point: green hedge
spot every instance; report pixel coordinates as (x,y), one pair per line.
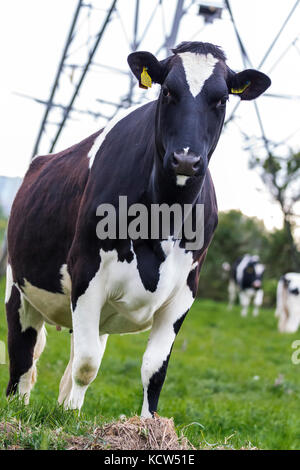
(270,287)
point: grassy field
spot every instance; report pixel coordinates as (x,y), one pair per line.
(230,379)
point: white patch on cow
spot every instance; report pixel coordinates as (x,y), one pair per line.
(181,180)
(240,268)
(54,307)
(101,137)
(288,304)
(65,279)
(28,379)
(259,269)
(198,68)
(30,318)
(186,150)
(9,283)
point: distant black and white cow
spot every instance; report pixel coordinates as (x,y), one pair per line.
(62,273)
(288,303)
(246,283)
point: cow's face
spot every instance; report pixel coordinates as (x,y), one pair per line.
(195,85)
(253,274)
(288,293)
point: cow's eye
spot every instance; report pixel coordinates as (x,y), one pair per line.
(166,92)
(222,102)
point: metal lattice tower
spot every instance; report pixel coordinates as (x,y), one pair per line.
(83,58)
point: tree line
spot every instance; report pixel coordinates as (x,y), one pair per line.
(237,235)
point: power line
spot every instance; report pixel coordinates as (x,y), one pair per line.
(56,80)
(245,57)
(64,108)
(246,60)
(278,34)
(283,54)
(84,72)
(244,54)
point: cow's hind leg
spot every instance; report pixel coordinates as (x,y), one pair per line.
(89,347)
(26,341)
(65,385)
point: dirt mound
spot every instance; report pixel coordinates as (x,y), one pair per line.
(133,434)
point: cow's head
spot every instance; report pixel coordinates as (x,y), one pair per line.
(195,85)
(253,273)
(288,295)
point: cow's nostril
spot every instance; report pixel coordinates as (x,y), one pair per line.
(175,161)
(196,164)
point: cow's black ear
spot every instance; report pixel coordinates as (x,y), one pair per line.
(145,63)
(248,84)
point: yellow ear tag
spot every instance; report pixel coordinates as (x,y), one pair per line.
(240,90)
(145,78)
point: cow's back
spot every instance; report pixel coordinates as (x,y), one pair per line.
(44,215)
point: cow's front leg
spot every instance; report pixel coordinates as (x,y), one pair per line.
(245,298)
(258,300)
(88,345)
(165,327)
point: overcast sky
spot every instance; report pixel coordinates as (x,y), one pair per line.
(32,35)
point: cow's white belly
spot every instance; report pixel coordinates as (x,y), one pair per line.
(127,307)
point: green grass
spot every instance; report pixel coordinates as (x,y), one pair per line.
(220,383)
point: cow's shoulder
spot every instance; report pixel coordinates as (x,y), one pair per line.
(44,214)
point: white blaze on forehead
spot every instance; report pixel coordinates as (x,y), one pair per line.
(198,68)
(259,269)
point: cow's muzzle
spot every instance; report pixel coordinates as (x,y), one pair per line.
(256,284)
(186,164)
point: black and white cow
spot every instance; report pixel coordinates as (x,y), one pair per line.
(246,283)
(61,273)
(288,303)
